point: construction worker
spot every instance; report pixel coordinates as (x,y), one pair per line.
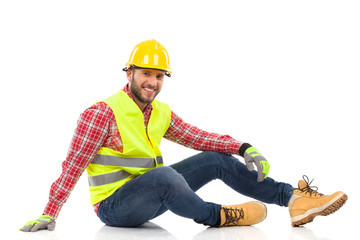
(117,141)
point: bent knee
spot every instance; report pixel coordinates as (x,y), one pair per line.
(211,156)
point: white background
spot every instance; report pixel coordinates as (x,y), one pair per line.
(281,75)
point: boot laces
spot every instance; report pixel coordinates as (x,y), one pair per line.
(233,215)
(310,189)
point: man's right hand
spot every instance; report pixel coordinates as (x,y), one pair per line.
(43,222)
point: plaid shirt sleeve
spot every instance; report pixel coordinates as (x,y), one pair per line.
(90,134)
(190,136)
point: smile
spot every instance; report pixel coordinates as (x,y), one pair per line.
(149,90)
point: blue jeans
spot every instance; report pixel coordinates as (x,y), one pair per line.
(173,188)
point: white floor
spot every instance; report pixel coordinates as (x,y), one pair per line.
(339,225)
(152,231)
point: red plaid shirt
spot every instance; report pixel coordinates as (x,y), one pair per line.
(97,127)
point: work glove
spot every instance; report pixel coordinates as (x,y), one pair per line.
(43,222)
(252,156)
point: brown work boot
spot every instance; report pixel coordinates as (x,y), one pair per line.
(242,215)
(306,203)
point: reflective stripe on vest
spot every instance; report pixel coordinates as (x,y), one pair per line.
(119,162)
(103,179)
(126,162)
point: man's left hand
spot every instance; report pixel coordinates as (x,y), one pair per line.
(252,156)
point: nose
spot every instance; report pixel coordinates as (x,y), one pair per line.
(152,81)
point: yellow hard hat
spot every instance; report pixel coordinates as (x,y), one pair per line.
(149,54)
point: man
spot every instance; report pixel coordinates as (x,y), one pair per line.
(117,142)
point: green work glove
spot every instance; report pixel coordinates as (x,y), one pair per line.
(252,156)
(43,222)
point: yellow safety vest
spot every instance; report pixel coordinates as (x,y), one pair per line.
(110,169)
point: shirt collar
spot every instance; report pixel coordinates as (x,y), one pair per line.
(148,107)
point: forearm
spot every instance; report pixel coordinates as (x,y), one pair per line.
(61,189)
(190,136)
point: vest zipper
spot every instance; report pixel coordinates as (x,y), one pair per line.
(152,146)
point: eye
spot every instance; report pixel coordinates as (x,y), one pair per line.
(160,76)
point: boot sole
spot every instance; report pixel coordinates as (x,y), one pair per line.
(328,210)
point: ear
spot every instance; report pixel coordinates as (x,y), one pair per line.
(129,74)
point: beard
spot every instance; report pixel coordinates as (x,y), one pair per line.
(136,90)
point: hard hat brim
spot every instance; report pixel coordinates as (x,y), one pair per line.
(167,73)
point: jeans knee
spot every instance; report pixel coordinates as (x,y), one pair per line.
(216,157)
